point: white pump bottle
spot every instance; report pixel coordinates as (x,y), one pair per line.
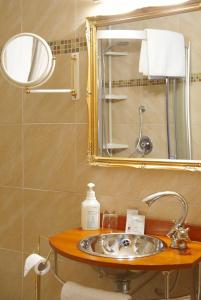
(90,214)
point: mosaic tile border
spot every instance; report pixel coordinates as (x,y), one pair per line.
(136,82)
(196,77)
(68,46)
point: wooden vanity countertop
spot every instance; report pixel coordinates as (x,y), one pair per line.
(66,244)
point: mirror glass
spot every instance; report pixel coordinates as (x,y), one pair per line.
(27,60)
(154,113)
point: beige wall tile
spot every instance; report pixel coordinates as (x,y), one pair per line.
(81,147)
(158,135)
(49,156)
(10,21)
(196,141)
(121,201)
(83,9)
(126,111)
(133,189)
(154,101)
(165,23)
(104,178)
(125,67)
(125,134)
(125,187)
(29,287)
(11,156)
(90,277)
(10,102)
(194,210)
(52,108)
(80,105)
(11,275)
(151,97)
(11,218)
(57,18)
(46,213)
(195,103)
(129,134)
(138,25)
(190,27)
(110,181)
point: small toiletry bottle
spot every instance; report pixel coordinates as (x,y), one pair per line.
(90,214)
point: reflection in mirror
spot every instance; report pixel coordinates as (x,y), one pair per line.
(144,88)
(144,108)
(26,60)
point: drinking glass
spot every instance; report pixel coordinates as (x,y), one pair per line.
(110,221)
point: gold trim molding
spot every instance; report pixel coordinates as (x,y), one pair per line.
(145,13)
(92,23)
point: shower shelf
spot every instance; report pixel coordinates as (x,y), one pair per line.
(113,146)
(111,98)
(113,53)
(115,97)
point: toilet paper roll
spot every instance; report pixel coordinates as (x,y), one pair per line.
(42,268)
(39,263)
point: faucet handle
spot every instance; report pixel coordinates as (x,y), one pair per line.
(182,233)
(179,237)
(178,229)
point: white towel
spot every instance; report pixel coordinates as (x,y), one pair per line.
(162,54)
(75,291)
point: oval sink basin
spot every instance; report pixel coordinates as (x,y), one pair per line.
(121,245)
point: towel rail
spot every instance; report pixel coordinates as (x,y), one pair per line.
(54,271)
(122,34)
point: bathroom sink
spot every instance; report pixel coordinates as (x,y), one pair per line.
(121,245)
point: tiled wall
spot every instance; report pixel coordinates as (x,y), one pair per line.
(43,160)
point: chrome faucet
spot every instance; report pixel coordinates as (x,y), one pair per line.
(178,233)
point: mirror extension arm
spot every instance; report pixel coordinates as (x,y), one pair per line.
(75,81)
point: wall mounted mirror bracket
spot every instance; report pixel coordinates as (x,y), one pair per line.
(74,81)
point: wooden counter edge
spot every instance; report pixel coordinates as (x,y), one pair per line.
(76,254)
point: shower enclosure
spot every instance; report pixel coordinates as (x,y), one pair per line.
(178,114)
(121,124)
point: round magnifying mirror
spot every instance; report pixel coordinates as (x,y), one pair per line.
(26,60)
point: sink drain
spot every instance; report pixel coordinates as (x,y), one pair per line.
(125,243)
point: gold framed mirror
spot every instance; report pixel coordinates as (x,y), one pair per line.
(139,119)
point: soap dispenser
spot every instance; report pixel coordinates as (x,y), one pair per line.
(90,210)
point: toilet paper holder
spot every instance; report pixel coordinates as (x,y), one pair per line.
(54,271)
(43,265)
